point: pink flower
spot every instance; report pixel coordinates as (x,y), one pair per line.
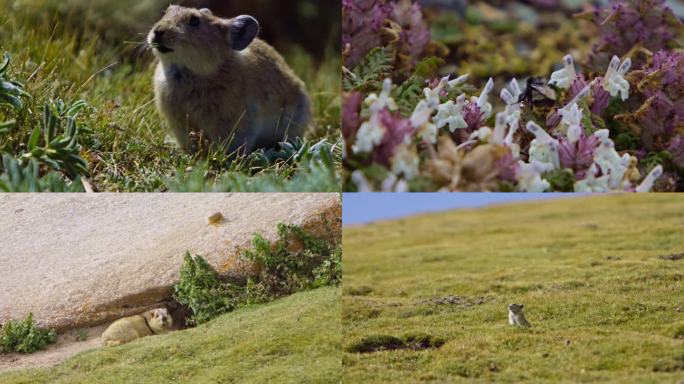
(630,22)
(397,131)
(577,156)
(362,21)
(601,96)
(351,119)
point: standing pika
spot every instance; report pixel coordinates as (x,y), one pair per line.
(216,78)
(516,316)
(127,329)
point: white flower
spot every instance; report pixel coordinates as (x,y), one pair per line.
(611,163)
(450,113)
(511,115)
(420,119)
(362,184)
(614,82)
(543,148)
(394,184)
(376,103)
(563,78)
(511,97)
(529,176)
(369,135)
(572,117)
(484,134)
(500,125)
(390,184)
(592,183)
(457,81)
(481,101)
(405,161)
(650,179)
(432,95)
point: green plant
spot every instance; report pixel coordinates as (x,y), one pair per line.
(11,91)
(296,261)
(27,178)
(370,73)
(203,292)
(23,336)
(59,151)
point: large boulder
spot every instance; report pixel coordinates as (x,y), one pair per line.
(81,260)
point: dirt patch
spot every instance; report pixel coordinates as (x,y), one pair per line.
(379,343)
(362,290)
(67,345)
(674,364)
(461,301)
(672,257)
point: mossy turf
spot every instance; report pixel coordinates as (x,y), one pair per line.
(293,340)
(603,305)
(56,54)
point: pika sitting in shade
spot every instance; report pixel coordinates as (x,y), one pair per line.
(216,80)
(127,329)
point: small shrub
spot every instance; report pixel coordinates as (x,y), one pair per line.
(203,292)
(297,261)
(23,336)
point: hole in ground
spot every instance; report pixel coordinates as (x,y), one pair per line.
(377,343)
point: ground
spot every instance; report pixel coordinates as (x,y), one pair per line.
(293,340)
(601,278)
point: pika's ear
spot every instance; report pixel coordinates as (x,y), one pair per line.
(206,11)
(243,30)
(522,306)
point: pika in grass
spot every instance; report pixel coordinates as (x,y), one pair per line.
(152,322)
(516,315)
(216,80)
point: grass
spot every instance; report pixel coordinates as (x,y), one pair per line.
(293,340)
(122,138)
(603,306)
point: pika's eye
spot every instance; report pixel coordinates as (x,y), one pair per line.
(194,21)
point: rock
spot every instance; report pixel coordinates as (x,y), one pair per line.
(82,260)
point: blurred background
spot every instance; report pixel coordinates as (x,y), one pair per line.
(514,37)
(312,25)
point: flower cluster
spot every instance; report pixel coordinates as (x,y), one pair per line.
(591,157)
(371,23)
(620,128)
(629,26)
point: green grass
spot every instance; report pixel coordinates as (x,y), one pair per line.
(123,139)
(603,306)
(293,340)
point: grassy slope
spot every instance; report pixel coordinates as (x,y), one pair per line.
(122,135)
(595,319)
(292,340)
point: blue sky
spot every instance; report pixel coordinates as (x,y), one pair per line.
(359,208)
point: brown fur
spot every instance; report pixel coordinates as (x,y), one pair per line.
(205,85)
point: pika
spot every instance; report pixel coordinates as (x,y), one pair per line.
(127,329)
(516,316)
(215,78)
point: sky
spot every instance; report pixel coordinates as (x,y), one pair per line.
(360,208)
